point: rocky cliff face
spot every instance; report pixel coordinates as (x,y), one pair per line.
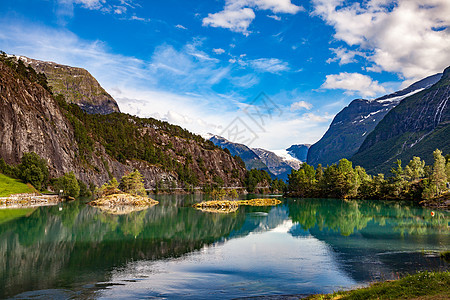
(355,122)
(415,127)
(32,120)
(77,85)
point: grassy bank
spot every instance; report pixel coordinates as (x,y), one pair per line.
(9,186)
(426,285)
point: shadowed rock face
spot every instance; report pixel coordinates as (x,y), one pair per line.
(77,85)
(354,123)
(32,121)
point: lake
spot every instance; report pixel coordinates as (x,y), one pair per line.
(172,250)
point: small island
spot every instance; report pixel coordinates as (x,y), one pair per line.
(123,198)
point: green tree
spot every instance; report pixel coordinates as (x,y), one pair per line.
(68,183)
(133,183)
(302,181)
(233,194)
(415,169)
(398,182)
(346,183)
(34,170)
(439,176)
(109,188)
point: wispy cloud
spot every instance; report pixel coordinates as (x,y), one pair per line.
(219,51)
(174,84)
(301,105)
(65,8)
(180,27)
(270,65)
(354,83)
(344,56)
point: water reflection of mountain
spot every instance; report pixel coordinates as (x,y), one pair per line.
(49,248)
(52,248)
(372,239)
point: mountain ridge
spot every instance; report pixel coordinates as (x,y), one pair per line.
(415,127)
(98,147)
(354,122)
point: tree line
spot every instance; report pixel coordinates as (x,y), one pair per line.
(416,181)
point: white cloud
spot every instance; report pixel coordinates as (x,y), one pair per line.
(181,27)
(235,20)
(174,85)
(354,83)
(344,56)
(317,118)
(90,4)
(237,15)
(136,18)
(271,65)
(275,17)
(219,51)
(409,37)
(301,105)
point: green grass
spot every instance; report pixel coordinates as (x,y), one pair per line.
(425,285)
(7,215)
(9,186)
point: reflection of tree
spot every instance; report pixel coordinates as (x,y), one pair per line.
(347,217)
(57,248)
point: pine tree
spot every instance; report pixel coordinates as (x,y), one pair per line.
(133,183)
(415,169)
(439,176)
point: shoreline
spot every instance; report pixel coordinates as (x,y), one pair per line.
(29,201)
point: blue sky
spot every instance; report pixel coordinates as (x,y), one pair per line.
(202,64)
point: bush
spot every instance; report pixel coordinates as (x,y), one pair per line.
(69,184)
(34,170)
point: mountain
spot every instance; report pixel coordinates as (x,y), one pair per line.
(299,152)
(97,147)
(277,163)
(250,158)
(352,124)
(415,127)
(280,163)
(77,85)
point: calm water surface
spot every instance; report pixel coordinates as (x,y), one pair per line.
(302,246)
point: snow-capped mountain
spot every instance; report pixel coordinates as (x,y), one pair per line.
(352,124)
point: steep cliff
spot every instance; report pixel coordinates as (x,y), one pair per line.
(77,85)
(97,147)
(415,127)
(352,124)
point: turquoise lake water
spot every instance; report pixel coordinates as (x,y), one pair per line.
(172,250)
